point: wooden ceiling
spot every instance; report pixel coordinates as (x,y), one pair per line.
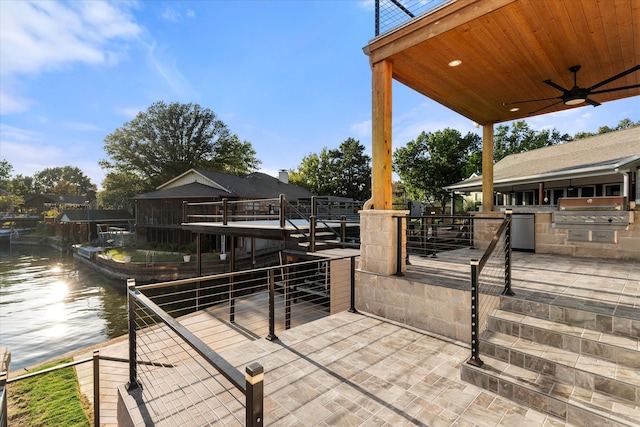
(508,48)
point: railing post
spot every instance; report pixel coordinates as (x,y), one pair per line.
(399,247)
(96,388)
(507,255)
(4,408)
(283,211)
(272,310)
(184,211)
(254,376)
(475,316)
(287,299)
(133,368)
(352,306)
(312,233)
(472,231)
(225,214)
(343,229)
(314,206)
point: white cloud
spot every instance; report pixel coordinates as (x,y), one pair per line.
(171,15)
(165,65)
(44,36)
(130,112)
(361,129)
(82,127)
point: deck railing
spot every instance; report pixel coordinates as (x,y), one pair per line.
(48,400)
(427,236)
(490,278)
(319,214)
(189,373)
(390,14)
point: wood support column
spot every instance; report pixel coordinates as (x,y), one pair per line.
(381,174)
(487,167)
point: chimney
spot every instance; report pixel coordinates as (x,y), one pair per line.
(283,176)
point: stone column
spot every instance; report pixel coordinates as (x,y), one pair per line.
(379,239)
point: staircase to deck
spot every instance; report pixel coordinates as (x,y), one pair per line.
(574,358)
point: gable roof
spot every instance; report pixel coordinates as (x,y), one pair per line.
(195,183)
(599,155)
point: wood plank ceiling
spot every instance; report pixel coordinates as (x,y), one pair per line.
(508,48)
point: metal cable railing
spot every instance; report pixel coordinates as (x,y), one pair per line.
(393,13)
(184,378)
(490,278)
(183,381)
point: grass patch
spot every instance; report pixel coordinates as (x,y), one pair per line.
(51,399)
(139,255)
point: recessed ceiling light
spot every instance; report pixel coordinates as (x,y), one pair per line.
(455,63)
(514,109)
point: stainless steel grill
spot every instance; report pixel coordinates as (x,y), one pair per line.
(592,219)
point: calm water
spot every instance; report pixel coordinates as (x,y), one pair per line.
(50,305)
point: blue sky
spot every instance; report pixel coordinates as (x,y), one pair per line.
(288,76)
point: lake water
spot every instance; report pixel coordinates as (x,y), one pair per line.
(50,305)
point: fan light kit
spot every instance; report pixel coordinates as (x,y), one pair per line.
(578,95)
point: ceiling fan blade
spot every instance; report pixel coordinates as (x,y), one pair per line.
(616,77)
(506,104)
(614,89)
(552,84)
(544,108)
(592,102)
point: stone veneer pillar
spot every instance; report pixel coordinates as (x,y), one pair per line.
(378,241)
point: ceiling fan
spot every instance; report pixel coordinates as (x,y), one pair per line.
(578,95)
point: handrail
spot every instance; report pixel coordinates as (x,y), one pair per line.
(220,364)
(492,245)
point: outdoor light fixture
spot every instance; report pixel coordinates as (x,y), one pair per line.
(455,63)
(575,98)
(514,109)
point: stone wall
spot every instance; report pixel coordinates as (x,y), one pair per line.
(441,310)
(378,241)
(551,240)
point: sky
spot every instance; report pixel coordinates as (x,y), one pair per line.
(288,76)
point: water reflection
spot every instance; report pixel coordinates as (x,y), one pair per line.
(50,305)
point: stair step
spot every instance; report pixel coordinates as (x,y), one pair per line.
(621,349)
(590,373)
(572,404)
(617,319)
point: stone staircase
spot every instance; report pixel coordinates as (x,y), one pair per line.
(572,358)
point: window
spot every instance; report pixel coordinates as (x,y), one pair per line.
(587,191)
(612,190)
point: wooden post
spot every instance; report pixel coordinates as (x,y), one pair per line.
(487,167)
(381,177)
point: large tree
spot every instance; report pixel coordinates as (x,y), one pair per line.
(433,160)
(343,172)
(169,139)
(68,180)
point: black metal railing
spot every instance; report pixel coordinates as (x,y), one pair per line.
(427,236)
(252,304)
(390,14)
(53,400)
(490,278)
(315,219)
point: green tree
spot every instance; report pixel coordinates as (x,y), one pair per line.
(622,124)
(343,172)
(118,189)
(5,174)
(432,161)
(352,170)
(314,174)
(67,180)
(520,138)
(169,139)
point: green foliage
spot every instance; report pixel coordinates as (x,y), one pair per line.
(5,173)
(433,161)
(67,180)
(118,190)
(165,141)
(623,124)
(51,399)
(341,172)
(520,138)
(10,203)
